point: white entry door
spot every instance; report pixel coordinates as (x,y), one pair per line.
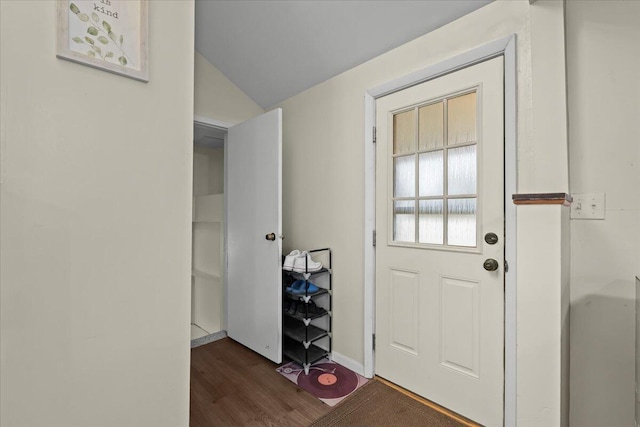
(254,216)
(439,195)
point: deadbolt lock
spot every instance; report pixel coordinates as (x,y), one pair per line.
(491,238)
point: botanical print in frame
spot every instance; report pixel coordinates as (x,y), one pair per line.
(106,34)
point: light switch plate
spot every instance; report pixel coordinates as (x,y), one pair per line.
(588,206)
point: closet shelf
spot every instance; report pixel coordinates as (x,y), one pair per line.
(209,208)
(204,275)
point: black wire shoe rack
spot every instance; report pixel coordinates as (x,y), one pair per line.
(307,316)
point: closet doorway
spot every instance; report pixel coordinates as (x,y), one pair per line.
(207,245)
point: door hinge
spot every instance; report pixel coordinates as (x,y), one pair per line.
(374,341)
(374,237)
(374,135)
(506,266)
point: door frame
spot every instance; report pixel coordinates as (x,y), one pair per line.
(502,47)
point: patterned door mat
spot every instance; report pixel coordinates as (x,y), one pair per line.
(327,380)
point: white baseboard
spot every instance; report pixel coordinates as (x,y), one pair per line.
(347,362)
(208,339)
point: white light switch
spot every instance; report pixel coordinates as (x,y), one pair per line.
(587,206)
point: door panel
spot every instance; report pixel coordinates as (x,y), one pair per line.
(459,325)
(254,209)
(404,310)
(440,188)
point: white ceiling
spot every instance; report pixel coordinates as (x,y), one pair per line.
(273,50)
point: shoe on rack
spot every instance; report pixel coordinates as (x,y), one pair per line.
(312,308)
(290,259)
(301,310)
(287,280)
(296,287)
(304,264)
(293,307)
(305,288)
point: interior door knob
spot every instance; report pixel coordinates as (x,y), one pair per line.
(270,236)
(490,264)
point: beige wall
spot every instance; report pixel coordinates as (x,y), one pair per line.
(323,172)
(543,232)
(603,60)
(95,221)
(543,310)
(216,97)
(323,176)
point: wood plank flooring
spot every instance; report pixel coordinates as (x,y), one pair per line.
(233,386)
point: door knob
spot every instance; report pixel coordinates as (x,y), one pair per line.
(270,236)
(490,264)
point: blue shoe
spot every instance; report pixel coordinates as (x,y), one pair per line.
(305,287)
(296,287)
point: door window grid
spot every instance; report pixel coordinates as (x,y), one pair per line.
(439,211)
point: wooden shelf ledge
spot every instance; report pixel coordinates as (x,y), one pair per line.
(542,199)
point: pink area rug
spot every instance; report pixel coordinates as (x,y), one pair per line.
(327,380)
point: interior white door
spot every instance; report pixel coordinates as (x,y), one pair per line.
(254,210)
(440,190)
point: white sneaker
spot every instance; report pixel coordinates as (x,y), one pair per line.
(289,260)
(304,264)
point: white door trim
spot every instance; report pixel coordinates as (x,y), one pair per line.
(506,47)
(212,122)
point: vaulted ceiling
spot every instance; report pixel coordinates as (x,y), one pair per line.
(273,50)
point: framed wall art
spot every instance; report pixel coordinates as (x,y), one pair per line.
(110,35)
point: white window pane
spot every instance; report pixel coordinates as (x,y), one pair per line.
(404,179)
(431,222)
(431,126)
(404,132)
(431,173)
(462,119)
(462,170)
(404,221)
(461,223)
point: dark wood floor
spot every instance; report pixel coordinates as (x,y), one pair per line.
(233,386)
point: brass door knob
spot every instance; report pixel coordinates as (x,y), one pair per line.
(270,236)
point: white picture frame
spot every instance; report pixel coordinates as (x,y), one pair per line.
(110,35)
